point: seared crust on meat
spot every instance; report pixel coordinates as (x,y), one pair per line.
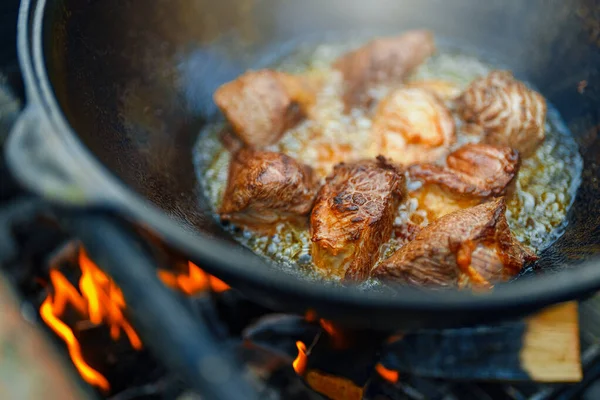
(265,188)
(471,247)
(384,60)
(262,105)
(475,170)
(353,216)
(413,126)
(505,111)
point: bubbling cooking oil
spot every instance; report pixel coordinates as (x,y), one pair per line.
(545,187)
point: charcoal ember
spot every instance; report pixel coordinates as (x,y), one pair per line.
(340,363)
(409,388)
(262,362)
(355,363)
(166,388)
(237,312)
(123,366)
(486,352)
(284,384)
(28,233)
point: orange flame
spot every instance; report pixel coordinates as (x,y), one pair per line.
(99,300)
(301,360)
(395,338)
(328,327)
(338,339)
(105,301)
(311,315)
(387,374)
(90,375)
(194,282)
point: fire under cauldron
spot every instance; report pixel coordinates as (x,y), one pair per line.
(118,90)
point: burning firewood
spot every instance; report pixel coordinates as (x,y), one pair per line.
(99,301)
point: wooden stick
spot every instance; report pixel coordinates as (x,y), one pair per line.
(550,350)
(334,387)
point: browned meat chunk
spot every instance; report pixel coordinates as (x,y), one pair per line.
(412,126)
(262,105)
(353,217)
(478,170)
(473,173)
(505,111)
(266,188)
(385,60)
(472,247)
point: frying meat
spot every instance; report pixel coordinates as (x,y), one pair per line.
(472,247)
(478,170)
(262,105)
(412,126)
(505,111)
(353,216)
(472,173)
(385,60)
(265,188)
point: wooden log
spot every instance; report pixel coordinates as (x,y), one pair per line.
(334,387)
(550,351)
(542,348)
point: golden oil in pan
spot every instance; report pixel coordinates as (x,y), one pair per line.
(545,188)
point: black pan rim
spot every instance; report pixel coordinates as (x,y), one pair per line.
(224,260)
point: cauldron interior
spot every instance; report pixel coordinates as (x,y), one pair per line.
(135,77)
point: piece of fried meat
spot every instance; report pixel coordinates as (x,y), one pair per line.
(412,125)
(468,248)
(504,111)
(353,216)
(382,61)
(262,105)
(265,188)
(473,174)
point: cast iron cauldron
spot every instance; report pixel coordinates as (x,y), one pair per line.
(119,89)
